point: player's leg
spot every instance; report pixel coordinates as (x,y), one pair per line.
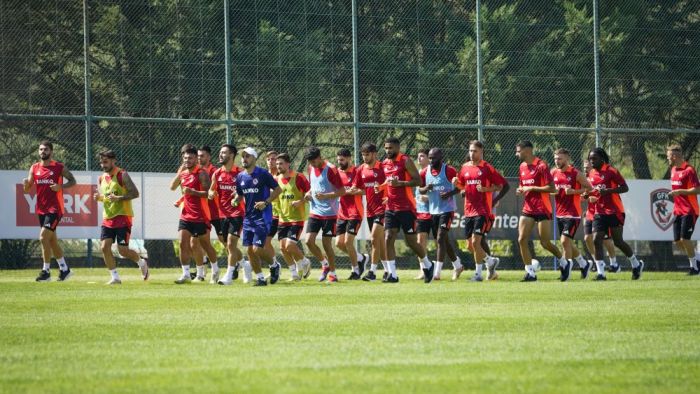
(106,243)
(185,238)
(544,227)
(378,250)
(566,260)
(637,265)
(210,253)
(682,232)
(327,242)
(525,227)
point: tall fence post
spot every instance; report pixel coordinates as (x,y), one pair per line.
(355,87)
(88,107)
(227,68)
(479,99)
(596,70)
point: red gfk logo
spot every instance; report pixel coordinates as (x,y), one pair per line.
(79,206)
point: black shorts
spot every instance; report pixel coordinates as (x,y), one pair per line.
(218,226)
(479,225)
(588,228)
(194,228)
(325,226)
(372,220)
(568,226)
(424,225)
(441,221)
(290,231)
(273,227)
(232,226)
(538,217)
(351,226)
(120,234)
(683,227)
(404,220)
(49,220)
(605,223)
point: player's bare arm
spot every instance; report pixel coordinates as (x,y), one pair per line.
(27,182)
(70,181)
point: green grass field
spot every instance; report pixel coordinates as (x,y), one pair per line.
(503,336)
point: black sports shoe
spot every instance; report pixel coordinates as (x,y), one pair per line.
(585,270)
(235,271)
(392,279)
(369,277)
(44,276)
(692,272)
(428,273)
(64,275)
(566,271)
(615,269)
(386,275)
(260,282)
(528,278)
(361,265)
(637,272)
(600,277)
(274,273)
(193,275)
(354,276)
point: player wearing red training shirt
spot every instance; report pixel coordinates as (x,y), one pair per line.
(370,182)
(479,180)
(609,216)
(401,176)
(350,214)
(684,190)
(47,176)
(535,186)
(570,184)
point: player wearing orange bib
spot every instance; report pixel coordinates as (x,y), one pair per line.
(47,176)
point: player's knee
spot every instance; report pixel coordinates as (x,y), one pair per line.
(105,247)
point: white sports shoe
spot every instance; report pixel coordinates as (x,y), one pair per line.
(535,264)
(144,271)
(294,278)
(183,279)
(457,272)
(247,272)
(305,268)
(114,281)
(491,266)
(225,282)
(198,279)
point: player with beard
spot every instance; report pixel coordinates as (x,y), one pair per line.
(204,161)
(115,190)
(47,176)
(350,215)
(401,176)
(685,189)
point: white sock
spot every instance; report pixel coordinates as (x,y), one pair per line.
(114,273)
(62,264)
(356,269)
(186,270)
(457,264)
(360,257)
(229,273)
(293,270)
(581,261)
(479,269)
(200,271)
(530,270)
(438,268)
(562,261)
(426,262)
(247,269)
(324,263)
(391,265)
(693,263)
(385,265)
(373,267)
(613,261)
(214,267)
(261,276)
(600,267)
(141,263)
(47,267)
(634,261)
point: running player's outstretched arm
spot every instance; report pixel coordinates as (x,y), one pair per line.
(413,172)
(132,191)
(27,182)
(70,179)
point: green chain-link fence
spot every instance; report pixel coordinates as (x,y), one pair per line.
(285,75)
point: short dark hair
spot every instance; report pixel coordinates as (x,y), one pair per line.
(271,152)
(345,152)
(524,144)
(47,144)
(188,148)
(675,148)
(424,151)
(285,157)
(562,151)
(312,153)
(108,153)
(392,140)
(368,147)
(231,148)
(206,148)
(602,153)
(477,143)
